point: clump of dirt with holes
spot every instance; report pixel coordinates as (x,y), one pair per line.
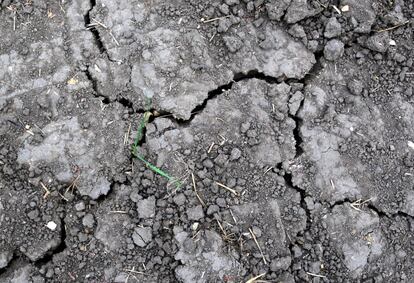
(206,141)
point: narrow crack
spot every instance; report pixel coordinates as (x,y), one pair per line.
(125,102)
(94,83)
(297,135)
(253,74)
(112,185)
(93,30)
(316,68)
(60,248)
(303,195)
(18,256)
(379,212)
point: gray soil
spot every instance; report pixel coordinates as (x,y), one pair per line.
(289,123)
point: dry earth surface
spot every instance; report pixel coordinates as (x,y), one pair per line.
(288,123)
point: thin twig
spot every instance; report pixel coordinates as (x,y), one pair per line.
(195,190)
(134,271)
(252,280)
(227,188)
(127,134)
(73,185)
(46,189)
(315,275)
(221,227)
(214,19)
(393,27)
(211,147)
(358,203)
(257,244)
(267,170)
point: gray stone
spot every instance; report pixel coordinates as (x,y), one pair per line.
(378,42)
(195,213)
(332,28)
(142,236)
(224,25)
(362,12)
(395,17)
(281,89)
(179,199)
(212,209)
(333,50)
(108,230)
(224,9)
(280,264)
(276,9)
(297,31)
(294,102)
(355,87)
(221,202)
(299,10)
(80,206)
(162,124)
(146,207)
(21,275)
(33,214)
(5,258)
(232,2)
(235,154)
(233,43)
(88,220)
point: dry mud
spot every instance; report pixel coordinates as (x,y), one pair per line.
(289,123)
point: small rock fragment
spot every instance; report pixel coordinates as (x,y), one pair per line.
(232,2)
(212,209)
(355,87)
(332,28)
(280,264)
(333,50)
(361,14)
(146,207)
(195,226)
(233,43)
(235,154)
(224,9)
(80,206)
(378,42)
(395,17)
(195,213)
(179,199)
(299,10)
(276,9)
(51,225)
(294,102)
(5,258)
(410,144)
(142,236)
(88,220)
(224,25)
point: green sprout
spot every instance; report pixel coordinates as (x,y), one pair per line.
(135,146)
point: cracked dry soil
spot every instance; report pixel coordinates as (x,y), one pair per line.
(289,124)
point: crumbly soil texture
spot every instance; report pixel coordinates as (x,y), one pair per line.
(279,143)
